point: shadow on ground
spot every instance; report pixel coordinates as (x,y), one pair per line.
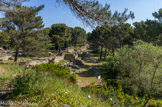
(93,71)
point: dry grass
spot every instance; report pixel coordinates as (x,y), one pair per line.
(2,71)
(85,81)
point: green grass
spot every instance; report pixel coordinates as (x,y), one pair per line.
(8,71)
(49,88)
(44,89)
(63,61)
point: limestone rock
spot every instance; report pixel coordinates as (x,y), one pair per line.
(58,58)
(70,50)
(70,57)
(22,63)
(11,58)
(51,60)
(3,58)
(60,54)
(32,63)
(50,53)
(76,70)
(65,64)
(74,66)
(78,62)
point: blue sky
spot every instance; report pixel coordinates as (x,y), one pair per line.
(54,13)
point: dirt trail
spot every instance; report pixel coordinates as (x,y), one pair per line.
(90,71)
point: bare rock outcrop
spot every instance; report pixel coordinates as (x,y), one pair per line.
(57,59)
(4,58)
(70,50)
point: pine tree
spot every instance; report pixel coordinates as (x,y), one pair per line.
(91,12)
(25,29)
(60,34)
(79,36)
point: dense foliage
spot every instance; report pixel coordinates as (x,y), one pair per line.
(111,38)
(60,34)
(57,70)
(136,69)
(78,36)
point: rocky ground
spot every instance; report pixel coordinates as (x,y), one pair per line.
(82,63)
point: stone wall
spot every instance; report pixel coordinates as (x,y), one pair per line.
(29,63)
(70,57)
(83,48)
(57,59)
(3,58)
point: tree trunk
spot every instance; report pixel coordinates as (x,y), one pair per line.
(66,44)
(105,53)
(146,101)
(4,47)
(101,52)
(16,54)
(108,52)
(97,49)
(69,42)
(59,48)
(56,46)
(153,77)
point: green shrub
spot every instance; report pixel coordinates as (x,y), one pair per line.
(136,69)
(25,84)
(44,89)
(112,71)
(57,70)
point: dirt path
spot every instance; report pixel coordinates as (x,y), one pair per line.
(90,71)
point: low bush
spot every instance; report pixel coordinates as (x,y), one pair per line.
(111,72)
(57,70)
(26,84)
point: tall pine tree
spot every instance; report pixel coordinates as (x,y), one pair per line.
(25,29)
(60,34)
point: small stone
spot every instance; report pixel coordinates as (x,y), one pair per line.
(14,75)
(99,77)
(10,58)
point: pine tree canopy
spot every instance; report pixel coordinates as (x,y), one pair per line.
(25,29)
